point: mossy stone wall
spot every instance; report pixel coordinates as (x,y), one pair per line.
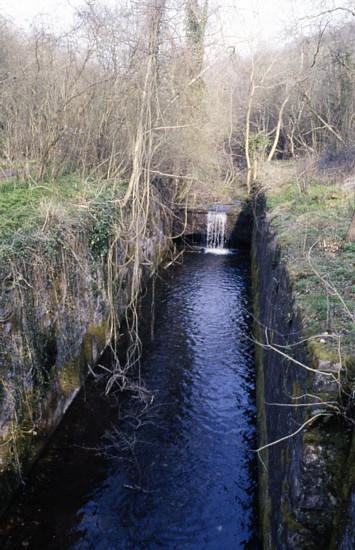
(55,309)
(302,479)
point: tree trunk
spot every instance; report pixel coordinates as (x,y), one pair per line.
(278,129)
(248,159)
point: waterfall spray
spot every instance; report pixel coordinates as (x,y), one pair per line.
(216,229)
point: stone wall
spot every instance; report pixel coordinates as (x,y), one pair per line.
(305,480)
(54,323)
(191,223)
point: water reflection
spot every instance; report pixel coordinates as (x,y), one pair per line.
(189,484)
(183,474)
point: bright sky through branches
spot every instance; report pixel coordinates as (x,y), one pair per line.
(268,20)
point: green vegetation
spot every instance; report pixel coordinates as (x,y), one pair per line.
(29,208)
(310,216)
(311,225)
(22,204)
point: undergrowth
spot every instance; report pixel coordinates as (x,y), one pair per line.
(30,211)
(311,224)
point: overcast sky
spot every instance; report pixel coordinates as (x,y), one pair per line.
(263,18)
(23,11)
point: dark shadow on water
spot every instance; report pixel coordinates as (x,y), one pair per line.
(181,473)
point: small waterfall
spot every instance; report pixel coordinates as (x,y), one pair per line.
(216,229)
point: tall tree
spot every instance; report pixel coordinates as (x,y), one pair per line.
(196,21)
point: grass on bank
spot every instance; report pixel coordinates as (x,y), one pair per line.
(311,221)
(26,208)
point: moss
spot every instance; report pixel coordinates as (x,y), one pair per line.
(57,283)
(298,220)
(312,436)
(69,377)
(320,352)
(296,389)
(19,445)
(34,414)
(338,442)
(98,334)
(264,498)
(288,517)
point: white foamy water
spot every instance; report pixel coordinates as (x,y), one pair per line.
(216,232)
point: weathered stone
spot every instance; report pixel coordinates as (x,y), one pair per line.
(58,328)
(193,224)
(312,455)
(329,366)
(323,383)
(313,501)
(301,488)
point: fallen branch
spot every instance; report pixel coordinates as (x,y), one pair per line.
(284,438)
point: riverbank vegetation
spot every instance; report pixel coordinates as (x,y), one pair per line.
(312,224)
(136,101)
(143,107)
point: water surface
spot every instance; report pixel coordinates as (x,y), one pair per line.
(183,476)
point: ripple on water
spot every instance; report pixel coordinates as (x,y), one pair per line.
(188,482)
(198,466)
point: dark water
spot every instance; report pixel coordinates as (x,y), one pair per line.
(186,474)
